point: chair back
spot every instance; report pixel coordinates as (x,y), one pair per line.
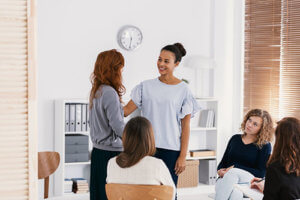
(47,164)
(116,191)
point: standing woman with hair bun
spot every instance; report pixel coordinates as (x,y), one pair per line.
(106,117)
(168,104)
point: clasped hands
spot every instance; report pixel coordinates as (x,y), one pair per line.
(223,171)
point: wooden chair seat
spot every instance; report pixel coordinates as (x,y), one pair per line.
(116,191)
(47,164)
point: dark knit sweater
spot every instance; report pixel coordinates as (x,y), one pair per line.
(248,157)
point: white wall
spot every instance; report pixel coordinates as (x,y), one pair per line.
(72,32)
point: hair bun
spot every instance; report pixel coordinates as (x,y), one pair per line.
(181,48)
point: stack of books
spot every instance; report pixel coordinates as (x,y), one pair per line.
(68,184)
(80,185)
(202,153)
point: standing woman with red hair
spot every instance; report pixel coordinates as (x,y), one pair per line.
(106,117)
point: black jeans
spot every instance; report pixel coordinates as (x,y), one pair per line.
(99,163)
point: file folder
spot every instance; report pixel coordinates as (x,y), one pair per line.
(87,118)
(207,172)
(67,117)
(83,119)
(78,117)
(203,118)
(72,117)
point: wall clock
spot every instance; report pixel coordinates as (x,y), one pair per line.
(130,37)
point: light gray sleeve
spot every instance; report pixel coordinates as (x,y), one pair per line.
(113,111)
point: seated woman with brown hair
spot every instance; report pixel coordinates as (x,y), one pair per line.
(135,165)
(283,169)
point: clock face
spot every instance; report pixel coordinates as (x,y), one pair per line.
(130,37)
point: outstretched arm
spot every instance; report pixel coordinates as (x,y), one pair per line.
(129,108)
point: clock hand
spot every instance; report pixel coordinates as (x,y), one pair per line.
(130,42)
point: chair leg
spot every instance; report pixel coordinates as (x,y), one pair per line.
(46,187)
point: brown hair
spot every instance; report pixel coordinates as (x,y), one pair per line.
(287,145)
(107,71)
(266,131)
(138,141)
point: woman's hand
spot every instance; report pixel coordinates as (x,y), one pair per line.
(223,171)
(180,165)
(256,183)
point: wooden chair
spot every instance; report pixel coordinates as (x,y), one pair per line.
(48,163)
(137,192)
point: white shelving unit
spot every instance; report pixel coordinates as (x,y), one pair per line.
(203,138)
(68,170)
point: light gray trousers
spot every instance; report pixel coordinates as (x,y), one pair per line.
(225,186)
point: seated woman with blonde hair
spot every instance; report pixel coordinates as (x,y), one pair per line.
(283,169)
(246,155)
(136,164)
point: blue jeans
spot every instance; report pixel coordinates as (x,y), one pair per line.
(225,186)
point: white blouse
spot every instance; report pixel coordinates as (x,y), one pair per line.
(148,171)
(164,106)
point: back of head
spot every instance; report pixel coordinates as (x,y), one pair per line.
(138,142)
(178,50)
(107,71)
(267,131)
(287,145)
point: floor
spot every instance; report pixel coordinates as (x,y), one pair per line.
(201,192)
(195,197)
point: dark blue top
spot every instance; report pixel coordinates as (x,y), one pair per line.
(248,157)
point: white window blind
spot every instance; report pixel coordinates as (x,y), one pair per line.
(271,75)
(18,152)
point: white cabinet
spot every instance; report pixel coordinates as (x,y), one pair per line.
(71,169)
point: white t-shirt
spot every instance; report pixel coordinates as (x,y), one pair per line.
(148,171)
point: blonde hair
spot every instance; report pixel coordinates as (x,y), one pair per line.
(266,131)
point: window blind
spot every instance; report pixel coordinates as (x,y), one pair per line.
(271,75)
(290,59)
(18,155)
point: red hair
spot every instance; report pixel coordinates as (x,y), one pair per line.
(107,71)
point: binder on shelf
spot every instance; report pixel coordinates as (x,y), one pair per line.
(213,172)
(87,118)
(202,153)
(203,118)
(78,117)
(72,117)
(67,117)
(83,119)
(207,118)
(208,172)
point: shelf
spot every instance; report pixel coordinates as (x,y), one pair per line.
(78,163)
(203,129)
(82,133)
(200,158)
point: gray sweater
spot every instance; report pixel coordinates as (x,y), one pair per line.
(106,120)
